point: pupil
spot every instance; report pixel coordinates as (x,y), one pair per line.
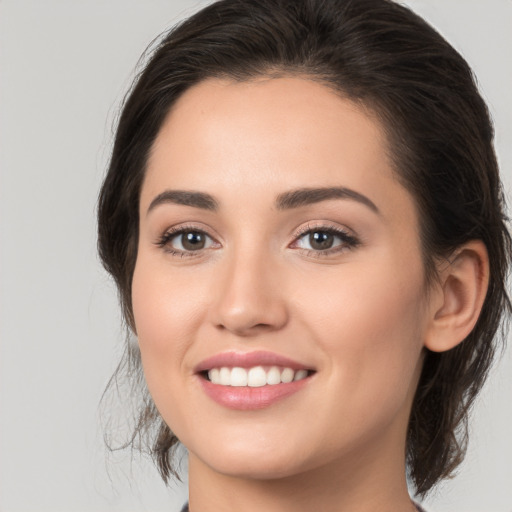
(193,241)
(321,240)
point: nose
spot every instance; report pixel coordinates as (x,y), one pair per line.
(249,298)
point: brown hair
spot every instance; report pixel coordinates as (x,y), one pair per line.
(384,56)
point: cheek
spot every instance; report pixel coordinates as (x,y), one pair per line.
(164,316)
(165,310)
(164,306)
(369,321)
(365,305)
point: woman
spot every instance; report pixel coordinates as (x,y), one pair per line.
(304,218)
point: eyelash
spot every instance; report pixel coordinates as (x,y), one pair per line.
(348,241)
(164,241)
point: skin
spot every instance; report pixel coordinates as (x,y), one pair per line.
(358,314)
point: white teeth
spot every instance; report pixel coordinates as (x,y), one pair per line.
(300,374)
(239,377)
(214,376)
(225,376)
(274,376)
(287,375)
(254,377)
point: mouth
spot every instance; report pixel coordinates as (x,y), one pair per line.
(254,377)
(255,380)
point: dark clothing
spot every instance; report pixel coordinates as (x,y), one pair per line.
(185,508)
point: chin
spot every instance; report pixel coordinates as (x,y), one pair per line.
(270,467)
(259,459)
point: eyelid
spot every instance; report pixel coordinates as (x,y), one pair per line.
(349,239)
(326,226)
(163,240)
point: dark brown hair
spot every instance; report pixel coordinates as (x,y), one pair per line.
(383,56)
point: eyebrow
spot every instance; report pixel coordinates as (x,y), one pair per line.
(285,201)
(186,198)
(305,196)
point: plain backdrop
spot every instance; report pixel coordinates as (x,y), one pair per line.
(64,67)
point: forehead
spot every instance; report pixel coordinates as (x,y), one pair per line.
(280,113)
(269,135)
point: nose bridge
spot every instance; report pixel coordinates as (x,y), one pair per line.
(249,296)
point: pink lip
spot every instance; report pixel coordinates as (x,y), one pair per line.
(247,398)
(248,360)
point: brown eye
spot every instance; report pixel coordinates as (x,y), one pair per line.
(192,241)
(321,240)
(186,241)
(325,241)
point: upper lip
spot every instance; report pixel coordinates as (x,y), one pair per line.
(248,360)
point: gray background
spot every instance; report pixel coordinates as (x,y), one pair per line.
(64,67)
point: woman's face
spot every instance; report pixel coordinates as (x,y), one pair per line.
(275,239)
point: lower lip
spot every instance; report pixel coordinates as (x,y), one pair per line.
(247,398)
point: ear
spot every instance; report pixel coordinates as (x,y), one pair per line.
(457,302)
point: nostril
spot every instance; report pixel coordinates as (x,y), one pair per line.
(245,329)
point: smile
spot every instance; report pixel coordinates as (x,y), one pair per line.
(254,377)
(248,381)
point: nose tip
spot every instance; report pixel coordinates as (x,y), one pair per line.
(244,322)
(250,301)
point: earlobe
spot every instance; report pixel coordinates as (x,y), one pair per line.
(459,298)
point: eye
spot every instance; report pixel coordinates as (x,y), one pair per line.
(319,240)
(325,240)
(184,241)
